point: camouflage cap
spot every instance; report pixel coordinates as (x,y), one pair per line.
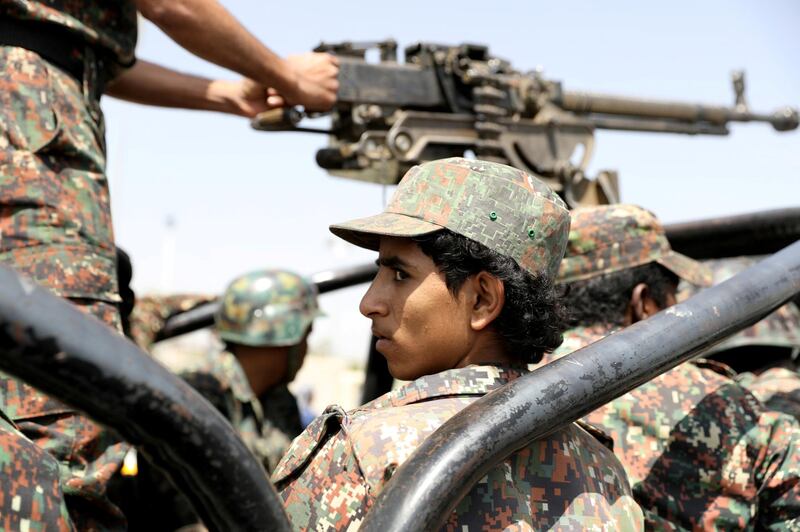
(779,329)
(612,238)
(503,208)
(267,308)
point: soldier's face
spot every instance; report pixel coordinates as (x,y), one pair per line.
(421,327)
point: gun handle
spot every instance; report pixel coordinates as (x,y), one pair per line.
(277,119)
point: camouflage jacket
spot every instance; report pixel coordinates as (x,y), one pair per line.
(151,312)
(332,473)
(221,380)
(109,25)
(777,388)
(31,496)
(700,451)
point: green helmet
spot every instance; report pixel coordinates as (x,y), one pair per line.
(267,308)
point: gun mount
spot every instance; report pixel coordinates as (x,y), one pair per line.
(445,101)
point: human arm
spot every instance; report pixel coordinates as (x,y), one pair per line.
(208,30)
(151,84)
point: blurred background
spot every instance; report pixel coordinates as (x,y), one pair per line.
(199,198)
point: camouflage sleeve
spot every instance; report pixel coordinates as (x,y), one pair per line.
(779,474)
(151,312)
(329,492)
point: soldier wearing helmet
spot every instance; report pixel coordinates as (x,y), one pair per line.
(264,319)
(700,451)
(462,301)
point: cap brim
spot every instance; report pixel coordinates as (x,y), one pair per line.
(688,269)
(367,232)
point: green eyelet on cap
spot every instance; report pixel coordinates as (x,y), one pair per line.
(493,216)
(531,233)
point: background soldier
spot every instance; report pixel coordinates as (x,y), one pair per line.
(463,299)
(765,354)
(700,451)
(57,60)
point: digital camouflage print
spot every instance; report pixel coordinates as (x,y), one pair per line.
(267,308)
(221,380)
(30,488)
(700,451)
(503,208)
(150,313)
(779,329)
(612,238)
(55,224)
(109,25)
(334,470)
(778,388)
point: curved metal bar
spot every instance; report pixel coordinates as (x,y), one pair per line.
(47,342)
(424,490)
(326,281)
(757,233)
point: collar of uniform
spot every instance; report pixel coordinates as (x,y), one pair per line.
(471,380)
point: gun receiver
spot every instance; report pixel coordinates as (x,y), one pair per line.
(446,101)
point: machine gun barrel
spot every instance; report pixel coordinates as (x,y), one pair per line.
(715,116)
(52,345)
(426,488)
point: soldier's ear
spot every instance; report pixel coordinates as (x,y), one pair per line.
(487,297)
(642,304)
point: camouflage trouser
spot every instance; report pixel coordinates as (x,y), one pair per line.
(55,227)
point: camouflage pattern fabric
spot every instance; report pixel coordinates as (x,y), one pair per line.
(334,470)
(267,308)
(109,25)
(151,312)
(778,388)
(221,380)
(56,228)
(612,238)
(30,489)
(700,451)
(779,329)
(281,409)
(503,208)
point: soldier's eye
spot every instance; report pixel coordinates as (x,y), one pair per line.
(400,275)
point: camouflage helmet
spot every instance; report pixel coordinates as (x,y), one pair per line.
(503,208)
(610,238)
(779,329)
(267,308)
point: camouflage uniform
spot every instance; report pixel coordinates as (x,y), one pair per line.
(30,489)
(55,215)
(335,469)
(332,473)
(777,387)
(700,451)
(150,313)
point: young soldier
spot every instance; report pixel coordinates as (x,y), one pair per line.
(764,354)
(463,300)
(700,451)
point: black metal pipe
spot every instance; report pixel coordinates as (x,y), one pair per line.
(757,233)
(424,490)
(50,344)
(203,315)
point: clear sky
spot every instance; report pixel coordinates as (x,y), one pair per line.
(243,200)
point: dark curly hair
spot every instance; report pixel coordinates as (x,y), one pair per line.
(604,299)
(533,317)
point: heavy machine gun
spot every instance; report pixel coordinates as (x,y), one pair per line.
(448,100)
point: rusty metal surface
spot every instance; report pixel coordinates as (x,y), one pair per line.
(50,344)
(755,233)
(425,489)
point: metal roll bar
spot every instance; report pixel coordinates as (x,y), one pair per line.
(47,342)
(428,486)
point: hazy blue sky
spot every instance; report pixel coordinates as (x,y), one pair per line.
(243,200)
